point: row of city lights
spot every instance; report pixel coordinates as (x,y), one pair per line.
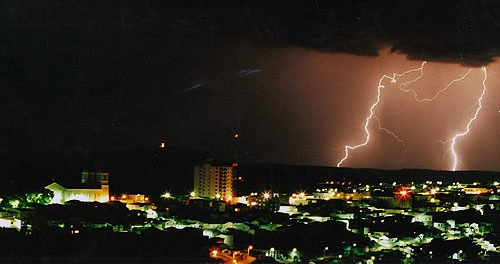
(125,196)
(402,192)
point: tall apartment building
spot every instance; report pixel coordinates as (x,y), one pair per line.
(213,181)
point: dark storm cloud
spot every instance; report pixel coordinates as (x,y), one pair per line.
(465,32)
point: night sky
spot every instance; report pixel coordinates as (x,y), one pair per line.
(83,81)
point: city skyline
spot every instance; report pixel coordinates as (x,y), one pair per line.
(84,83)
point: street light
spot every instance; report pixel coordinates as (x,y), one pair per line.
(192,194)
(248,250)
(166,195)
(271,252)
(295,255)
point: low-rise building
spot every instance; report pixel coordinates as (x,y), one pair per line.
(94,187)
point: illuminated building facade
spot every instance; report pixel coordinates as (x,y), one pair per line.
(10,219)
(476,190)
(132,198)
(94,188)
(213,181)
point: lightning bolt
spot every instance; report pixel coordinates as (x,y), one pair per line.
(393,79)
(389,132)
(437,94)
(467,128)
(403,87)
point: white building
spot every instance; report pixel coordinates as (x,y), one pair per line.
(421,218)
(94,188)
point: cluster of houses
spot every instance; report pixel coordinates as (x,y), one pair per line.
(391,217)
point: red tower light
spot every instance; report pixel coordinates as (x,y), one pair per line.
(236,135)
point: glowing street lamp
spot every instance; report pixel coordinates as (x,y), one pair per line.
(248,250)
(192,194)
(294,253)
(217,196)
(271,252)
(166,195)
(266,195)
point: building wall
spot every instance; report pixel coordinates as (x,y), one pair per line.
(212,180)
(476,190)
(87,195)
(58,191)
(422,218)
(133,198)
(62,195)
(83,195)
(10,223)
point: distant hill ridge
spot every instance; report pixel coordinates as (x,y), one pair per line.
(286,178)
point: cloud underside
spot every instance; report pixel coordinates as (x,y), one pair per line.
(463,32)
